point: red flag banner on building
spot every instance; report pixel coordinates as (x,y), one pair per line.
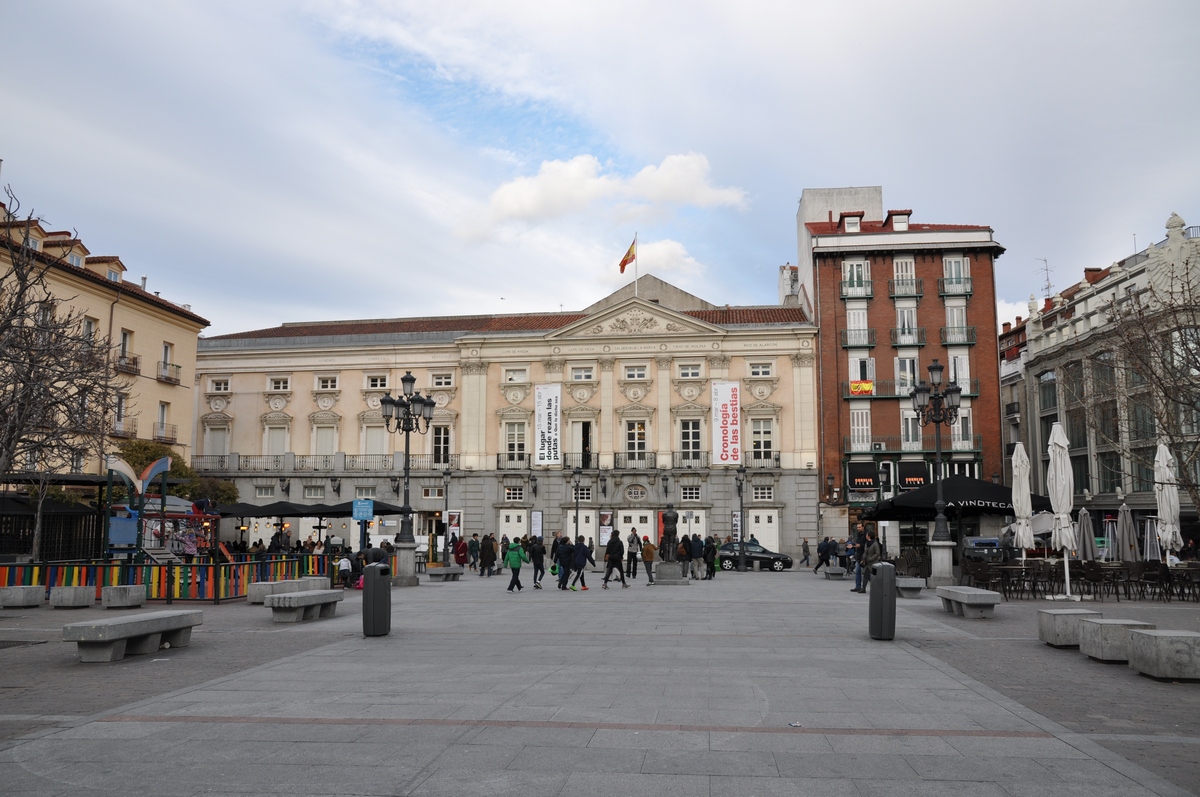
(630,256)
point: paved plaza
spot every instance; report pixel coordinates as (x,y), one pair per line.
(754,684)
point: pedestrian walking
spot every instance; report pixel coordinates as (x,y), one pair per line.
(710,558)
(344,570)
(537,555)
(823,554)
(487,556)
(649,549)
(502,553)
(513,559)
(583,557)
(614,559)
(633,553)
(473,552)
(565,561)
(804,553)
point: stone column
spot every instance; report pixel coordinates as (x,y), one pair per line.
(941,572)
(406,565)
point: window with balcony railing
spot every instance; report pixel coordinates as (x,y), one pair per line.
(128,364)
(124,427)
(169,372)
(908,336)
(901,288)
(958,336)
(954,286)
(166,432)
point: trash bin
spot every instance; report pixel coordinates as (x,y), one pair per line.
(882,604)
(377,599)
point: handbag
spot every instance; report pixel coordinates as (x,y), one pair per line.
(682,551)
(554,570)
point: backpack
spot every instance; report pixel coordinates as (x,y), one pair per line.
(682,550)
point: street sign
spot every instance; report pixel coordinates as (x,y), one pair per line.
(363,509)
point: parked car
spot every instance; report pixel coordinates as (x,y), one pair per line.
(730,552)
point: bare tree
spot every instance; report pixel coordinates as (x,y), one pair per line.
(57,390)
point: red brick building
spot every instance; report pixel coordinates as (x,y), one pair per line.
(891,297)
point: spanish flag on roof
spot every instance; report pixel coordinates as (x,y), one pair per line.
(630,256)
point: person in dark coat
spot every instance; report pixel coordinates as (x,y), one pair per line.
(683,553)
(697,555)
(710,558)
(583,557)
(537,555)
(565,561)
(614,555)
(822,554)
(487,556)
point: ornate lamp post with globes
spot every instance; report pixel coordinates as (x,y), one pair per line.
(936,406)
(405,413)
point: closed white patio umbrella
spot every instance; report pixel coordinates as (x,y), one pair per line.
(1087,537)
(1022,503)
(1061,486)
(1166,493)
(1127,537)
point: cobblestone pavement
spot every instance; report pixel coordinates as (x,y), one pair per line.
(644,691)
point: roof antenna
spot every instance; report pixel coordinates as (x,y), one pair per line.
(1048,287)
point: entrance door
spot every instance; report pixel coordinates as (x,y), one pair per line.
(514,523)
(763,525)
(696,524)
(581,441)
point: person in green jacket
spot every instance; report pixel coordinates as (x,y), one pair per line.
(513,559)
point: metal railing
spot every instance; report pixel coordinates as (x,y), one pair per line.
(210,462)
(513,461)
(887,444)
(954,286)
(166,432)
(634,460)
(857,289)
(129,364)
(584,460)
(908,336)
(368,462)
(315,462)
(261,462)
(857,338)
(124,427)
(168,372)
(903,288)
(958,336)
(760,459)
(892,389)
(1012,408)
(689,459)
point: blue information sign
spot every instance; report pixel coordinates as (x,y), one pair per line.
(364,509)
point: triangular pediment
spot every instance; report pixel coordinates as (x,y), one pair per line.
(635,318)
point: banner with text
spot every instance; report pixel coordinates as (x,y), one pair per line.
(726,423)
(548,400)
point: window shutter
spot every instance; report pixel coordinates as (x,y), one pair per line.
(871,368)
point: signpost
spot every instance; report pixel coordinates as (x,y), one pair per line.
(363,510)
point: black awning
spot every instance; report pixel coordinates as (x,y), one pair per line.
(863,476)
(912,475)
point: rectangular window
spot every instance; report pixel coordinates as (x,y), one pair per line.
(857,333)
(910,431)
(441,445)
(514,493)
(635,372)
(438,492)
(327,383)
(856,278)
(114,276)
(325,440)
(960,370)
(690,493)
(1079,472)
(364,492)
(216,441)
(276,440)
(581,494)
(852,224)
(960,432)
(904,272)
(1047,391)
(860,430)
(906,375)
(126,342)
(581,374)
(443,380)
(377,382)
(761,369)
(514,440)
(956,317)
(1143,470)
(635,439)
(1107,425)
(516,375)
(375,440)
(1077,428)
(764,493)
(761,443)
(264,491)
(1104,374)
(689,371)
(689,439)
(164,412)
(1072,382)
(314,491)
(219,386)
(280,383)
(1108,470)
(1141,418)
(862,369)
(955,268)
(89,328)
(167,351)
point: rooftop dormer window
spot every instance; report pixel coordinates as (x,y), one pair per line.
(852,224)
(114,276)
(900,223)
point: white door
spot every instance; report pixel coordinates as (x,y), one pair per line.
(217,442)
(763,525)
(514,523)
(696,524)
(277,440)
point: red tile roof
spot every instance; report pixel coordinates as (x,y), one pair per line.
(833,228)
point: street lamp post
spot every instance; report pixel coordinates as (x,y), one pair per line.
(741,490)
(446,517)
(576,475)
(935,406)
(405,414)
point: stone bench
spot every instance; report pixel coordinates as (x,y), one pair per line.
(111,639)
(1059,628)
(834,573)
(292,607)
(259,590)
(315,582)
(1108,640)
(970,602)
(1165,655)
(127,596)
(22,597)
(444,573)
(72,597)
(908,587)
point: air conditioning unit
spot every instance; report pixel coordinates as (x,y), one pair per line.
(878,447)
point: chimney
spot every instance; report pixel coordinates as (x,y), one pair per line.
(1006,327)
(1020,321)
(143,282)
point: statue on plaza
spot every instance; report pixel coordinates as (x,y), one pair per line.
(670,521)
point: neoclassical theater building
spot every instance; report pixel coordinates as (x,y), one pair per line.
(651,397)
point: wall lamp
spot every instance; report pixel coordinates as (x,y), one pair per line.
(285,486)
(336,484)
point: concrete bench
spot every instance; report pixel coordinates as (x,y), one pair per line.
(127,596)
(1165,655)
(1108,640)
(292,607)
(834,573)
(908,587)
(970,602)
(22,597)
(444,573)
(72,597)
(112,638)
(315,582)
(259,590)
(1059,628)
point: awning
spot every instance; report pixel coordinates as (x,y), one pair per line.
(863,476)
(911,475)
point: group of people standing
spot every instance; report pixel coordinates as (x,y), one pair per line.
(862,552)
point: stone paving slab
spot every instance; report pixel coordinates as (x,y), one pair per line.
(630,691)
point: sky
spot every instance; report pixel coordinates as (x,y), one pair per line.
(321,159)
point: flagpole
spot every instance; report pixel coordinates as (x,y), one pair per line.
(635,265)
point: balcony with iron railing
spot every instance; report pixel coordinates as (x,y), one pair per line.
(170,373)
(760,459)
(893,389)
(317,463)
(166,432)
(261,462)
(368,462)
(908,336)
(124,427)
(128,364)
(634,460)
(584,460)
(954,286)
(958,336)
(207,462)
(858,338)
(900,289)
(1012,408)
(513,461)
(689,459)
(857,289)
(889,444)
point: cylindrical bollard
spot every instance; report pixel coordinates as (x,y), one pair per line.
(377,599)
(882,608)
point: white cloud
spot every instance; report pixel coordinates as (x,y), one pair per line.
(1008,311)
(564,187)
